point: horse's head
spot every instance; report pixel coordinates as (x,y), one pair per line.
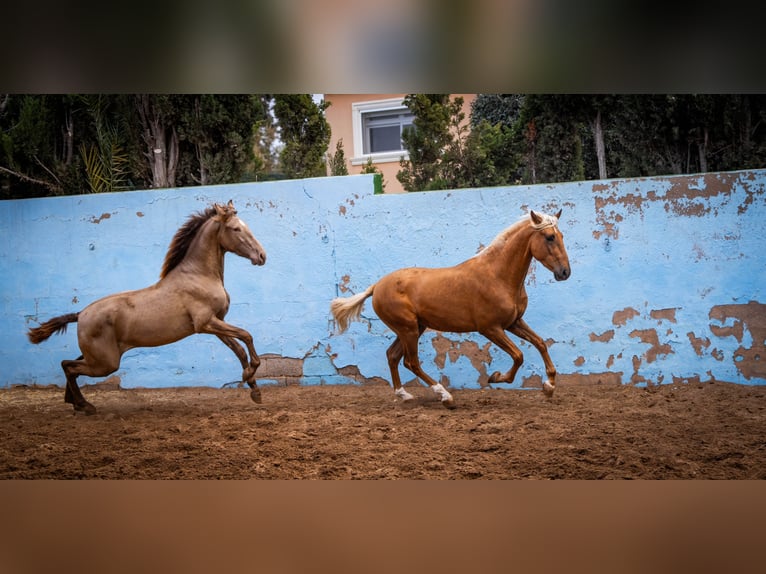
(547,244)
(234,235)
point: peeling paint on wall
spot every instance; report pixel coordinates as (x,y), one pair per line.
(624,315)
(98,220)
(667,279)
(604,337)
(478,356)
(748,318)
(649,336)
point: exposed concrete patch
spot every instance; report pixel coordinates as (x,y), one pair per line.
(576,379)
(666,314)
(321,366)
(751,316)
(287,370)
(604,337)
(698,342)
(98,220)
(622,317)
(353,372)
(682,199)
(343,285)
(649,336)
(478,356)
(696,379)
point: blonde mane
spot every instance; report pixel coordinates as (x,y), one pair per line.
(502,237)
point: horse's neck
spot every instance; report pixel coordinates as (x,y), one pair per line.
(510,262)
(205,256)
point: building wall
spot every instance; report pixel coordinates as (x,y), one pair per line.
(667,279)
(339,117)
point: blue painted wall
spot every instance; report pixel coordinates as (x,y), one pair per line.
(667,278)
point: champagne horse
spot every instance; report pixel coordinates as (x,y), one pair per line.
(189,298)
(483,294)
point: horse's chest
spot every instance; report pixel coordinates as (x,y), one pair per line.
(213,296)
(510,308)
(221,300)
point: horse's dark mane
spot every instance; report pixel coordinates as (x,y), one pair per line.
(183,238)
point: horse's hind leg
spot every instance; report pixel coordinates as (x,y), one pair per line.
(248,372)
(412,362)
(69,395)
(394,355)
(81,366)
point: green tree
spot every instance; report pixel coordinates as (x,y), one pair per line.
(548,133)
(426,141)
(305,134)
(265,139)
(502,109)
(337,161)
(495,122)
(216,137)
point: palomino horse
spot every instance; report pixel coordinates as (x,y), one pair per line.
(189,298)
(485,294)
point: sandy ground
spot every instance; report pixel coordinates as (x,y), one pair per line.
(677,431)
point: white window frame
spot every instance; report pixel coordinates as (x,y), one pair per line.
(358,109)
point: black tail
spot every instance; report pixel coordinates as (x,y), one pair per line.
(55,325)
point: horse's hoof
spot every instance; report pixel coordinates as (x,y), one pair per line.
(449,403)
(493,377)
(85,408)
(255,394)
(548,389)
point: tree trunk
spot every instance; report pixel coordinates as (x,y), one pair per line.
(598,136)
(68,138)
(703,151)
(161,141)
(203,171)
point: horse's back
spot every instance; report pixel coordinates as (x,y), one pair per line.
(140,318)
(457,299)
(428,297)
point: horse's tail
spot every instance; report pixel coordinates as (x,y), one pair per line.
(55,325)
(347,309)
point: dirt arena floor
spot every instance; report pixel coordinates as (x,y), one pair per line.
(678,431)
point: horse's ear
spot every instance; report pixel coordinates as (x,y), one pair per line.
(220,210)
(230,205)
(536,219)
(558,215)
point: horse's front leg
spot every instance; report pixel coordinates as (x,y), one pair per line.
(521,329)
(499,338)
(248,371)
(228,334)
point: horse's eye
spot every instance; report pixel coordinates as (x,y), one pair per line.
(550,237)
(237,229)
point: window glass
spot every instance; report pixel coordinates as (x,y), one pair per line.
(382,131)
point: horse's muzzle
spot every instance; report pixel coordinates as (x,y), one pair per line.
(562,273)
(258,259)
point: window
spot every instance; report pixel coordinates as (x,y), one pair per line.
(382,132)
(378,128)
